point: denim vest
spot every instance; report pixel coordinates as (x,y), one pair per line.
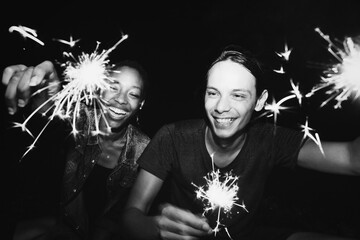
(79,165)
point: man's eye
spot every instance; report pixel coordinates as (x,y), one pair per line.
(239,96)
(211,93)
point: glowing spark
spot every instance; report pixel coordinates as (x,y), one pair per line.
(296,91)
(220,192)
(85,78)
(342,79)
(71,42)
(307,133)
(26,33)
(285,54)
(280,71)
(274,108)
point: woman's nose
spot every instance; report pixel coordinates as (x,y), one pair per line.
(121,99)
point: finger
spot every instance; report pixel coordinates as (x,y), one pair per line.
(10,71)
(11,91)
(165,235)
(186,217)
(23,88)
(169,227)
(44,71)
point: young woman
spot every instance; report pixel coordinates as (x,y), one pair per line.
(99,169)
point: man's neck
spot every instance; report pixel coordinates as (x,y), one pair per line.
(225,150)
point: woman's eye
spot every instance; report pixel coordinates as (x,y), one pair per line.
(113,88)
(135,95)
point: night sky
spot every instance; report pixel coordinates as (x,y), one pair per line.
(177,40)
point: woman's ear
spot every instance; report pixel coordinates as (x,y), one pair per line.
(260,103)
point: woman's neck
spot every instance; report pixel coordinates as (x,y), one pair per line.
(111,145)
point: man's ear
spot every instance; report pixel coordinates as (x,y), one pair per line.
(260,103)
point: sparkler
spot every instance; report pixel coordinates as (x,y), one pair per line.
(219,195)
(26,33)
(84,79)
(342,79)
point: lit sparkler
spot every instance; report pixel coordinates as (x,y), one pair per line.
(219,193)
(84,79)
(342,79)
(26,33)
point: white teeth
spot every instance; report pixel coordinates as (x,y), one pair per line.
(224,120)
(117,110)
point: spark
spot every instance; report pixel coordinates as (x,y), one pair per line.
(274,108)
(280,71)
(26,33)
(219,193)
(71,42)
(296,91)
(342,79)
(286,54)
(307,133)
(84,79)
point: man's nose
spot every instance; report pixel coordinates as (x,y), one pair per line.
(222,105)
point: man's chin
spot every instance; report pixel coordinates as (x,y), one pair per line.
(223,133)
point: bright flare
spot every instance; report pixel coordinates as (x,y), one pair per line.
(219,193)
(342,79)
(84,79)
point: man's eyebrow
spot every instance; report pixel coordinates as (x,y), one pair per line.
(242,90)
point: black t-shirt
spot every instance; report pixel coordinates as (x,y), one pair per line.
(178,154)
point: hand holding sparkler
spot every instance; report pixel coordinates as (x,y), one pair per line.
(23,82)
(176,223)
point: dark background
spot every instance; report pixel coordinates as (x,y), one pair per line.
(176,41)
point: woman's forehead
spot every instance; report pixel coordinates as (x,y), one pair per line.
(127,75)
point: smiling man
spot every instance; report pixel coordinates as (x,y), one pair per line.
(231,141)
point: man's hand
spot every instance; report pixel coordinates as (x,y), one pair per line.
(175,223)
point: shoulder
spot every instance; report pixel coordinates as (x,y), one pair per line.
(265,128)
(138,135)
(261,128)
(188,126)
